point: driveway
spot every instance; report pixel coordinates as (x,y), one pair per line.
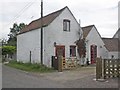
(79,78)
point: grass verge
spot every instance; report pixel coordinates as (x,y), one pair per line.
(30,67)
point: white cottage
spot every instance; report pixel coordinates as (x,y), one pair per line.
(60,32)
(94,44)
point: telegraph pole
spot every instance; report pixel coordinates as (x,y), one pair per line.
(42,32)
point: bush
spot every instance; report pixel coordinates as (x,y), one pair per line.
(8,50)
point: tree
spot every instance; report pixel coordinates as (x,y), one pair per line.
(13,33)
(81,49)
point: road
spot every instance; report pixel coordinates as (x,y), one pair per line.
(13,78)
(81,78)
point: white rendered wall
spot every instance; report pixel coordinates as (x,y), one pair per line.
(94,38)
(54,33)
(27,42)
(115,54)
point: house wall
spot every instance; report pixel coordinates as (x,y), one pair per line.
(27,42)
(115,54)
(117,35)
(54,33)
(94,38)
(30,41)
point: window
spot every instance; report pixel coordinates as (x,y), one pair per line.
(72,51)
(66,25)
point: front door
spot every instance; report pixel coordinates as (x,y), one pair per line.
(60,50)
(93,53)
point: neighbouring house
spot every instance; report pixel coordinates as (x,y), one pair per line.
(112,45)
(94,44)
(60,33)
(117,34)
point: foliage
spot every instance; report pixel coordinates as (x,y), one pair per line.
(3,42)
(8,50)
(81,47)
(29,67)
(13,33)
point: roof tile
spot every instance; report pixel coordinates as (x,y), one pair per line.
(112,44)
(46,21)
(86,30)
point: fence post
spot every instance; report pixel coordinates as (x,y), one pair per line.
(30,56)
(59,63)
(104,69)
(98,68)
(118,68)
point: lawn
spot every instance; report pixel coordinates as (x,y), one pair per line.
(30,67)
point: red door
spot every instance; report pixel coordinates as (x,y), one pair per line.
(60,50)
(93,53)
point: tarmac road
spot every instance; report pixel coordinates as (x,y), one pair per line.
(80,78)
(13,78)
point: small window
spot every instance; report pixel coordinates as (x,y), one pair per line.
(72,51)
(112,56)
(66,25)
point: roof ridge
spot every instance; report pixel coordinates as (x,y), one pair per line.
(60,10)
(86,30)
(109,38)
(47,19)
(88,26)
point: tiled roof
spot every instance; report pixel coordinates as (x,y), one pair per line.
(86,30)
(46,21)
(112,44)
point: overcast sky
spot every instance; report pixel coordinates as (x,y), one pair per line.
(102,13)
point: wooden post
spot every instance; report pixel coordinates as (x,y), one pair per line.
(118,67)
(59,63)
(30,56)
(104,68)
(98,68)
(41,32)
(109,68)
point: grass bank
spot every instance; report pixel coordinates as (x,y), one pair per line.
(30,67)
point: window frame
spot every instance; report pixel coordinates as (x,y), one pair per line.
(66,25)
(73,51)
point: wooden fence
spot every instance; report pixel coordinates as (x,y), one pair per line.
(60,63)
(111,68)
(69,63)
(107,68)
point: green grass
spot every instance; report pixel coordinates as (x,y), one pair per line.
(30,67)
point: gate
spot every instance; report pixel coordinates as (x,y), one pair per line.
(69,63)
(107,68)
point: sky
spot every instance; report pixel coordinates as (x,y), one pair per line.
(102,13)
